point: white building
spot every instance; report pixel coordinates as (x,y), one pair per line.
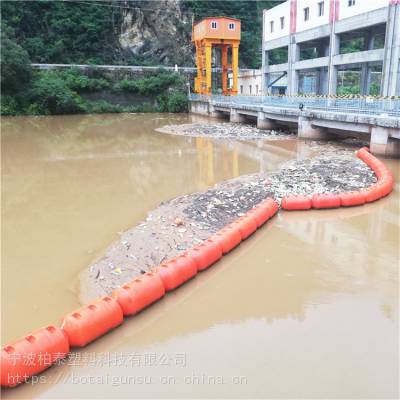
(250,82)
(305,40)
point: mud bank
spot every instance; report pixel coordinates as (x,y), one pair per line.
(225,130)
(184,221)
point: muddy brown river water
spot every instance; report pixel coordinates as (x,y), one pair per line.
(306,308)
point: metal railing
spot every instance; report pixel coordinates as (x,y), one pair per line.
(135,68)
(359,105)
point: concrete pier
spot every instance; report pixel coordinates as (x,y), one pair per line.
(381,129)
(236,117)
(306,130)
(383,144)
(215,113)
(265,123)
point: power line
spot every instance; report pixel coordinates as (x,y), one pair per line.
(107,5)
(93,3)
(97,3)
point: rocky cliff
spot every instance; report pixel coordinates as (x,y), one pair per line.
(133,32)
(157,31)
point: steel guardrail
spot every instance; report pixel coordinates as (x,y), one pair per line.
(366,105)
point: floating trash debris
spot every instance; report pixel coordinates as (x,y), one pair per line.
(184,221)
(226,130)
(216,208)
(323,174)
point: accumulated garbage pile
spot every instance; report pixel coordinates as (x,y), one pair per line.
(324,174)
(226,130)
(187,220)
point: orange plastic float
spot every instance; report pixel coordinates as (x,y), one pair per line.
(298,202)
(381,171)
(385,179)
(227,238)
(375,164)
(91,321)
(270,205)
(259,215)
(177,271)
(364,155)
(385,185)
(328,200)
(206,253)
(32,354)
(170,276)
(188,265)
(263,211)
(136,295)
(349,199)
(246,226)
(372,193)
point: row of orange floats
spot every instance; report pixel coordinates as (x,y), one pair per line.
(47,345)
(381,189)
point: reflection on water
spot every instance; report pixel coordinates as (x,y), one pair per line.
(307,307)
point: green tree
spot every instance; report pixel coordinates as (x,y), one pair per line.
(65,31)
(50,94)
(177,102)
(87,31)
(15,64)
(151,85)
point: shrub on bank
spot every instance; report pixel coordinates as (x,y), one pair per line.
(50,94)
(25,91)
(59,91)
(82,83)
(152,85)
(9,105)
(177,102)
(15,64)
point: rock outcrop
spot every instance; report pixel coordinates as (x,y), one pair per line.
(158,31)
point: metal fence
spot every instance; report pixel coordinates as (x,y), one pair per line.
(357,105)
(136,68)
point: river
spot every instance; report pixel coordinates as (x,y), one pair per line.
(307,307)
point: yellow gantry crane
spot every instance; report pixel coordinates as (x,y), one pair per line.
(222,33)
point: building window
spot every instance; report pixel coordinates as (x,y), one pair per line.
(250,88)
(272,26)
(321,9)
(282,22)
(256,89)
(241,89)
(351,3)
(231,26)
(306,14)
(214,25)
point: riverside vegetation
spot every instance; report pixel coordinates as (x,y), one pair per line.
(88,33)
(32,92)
